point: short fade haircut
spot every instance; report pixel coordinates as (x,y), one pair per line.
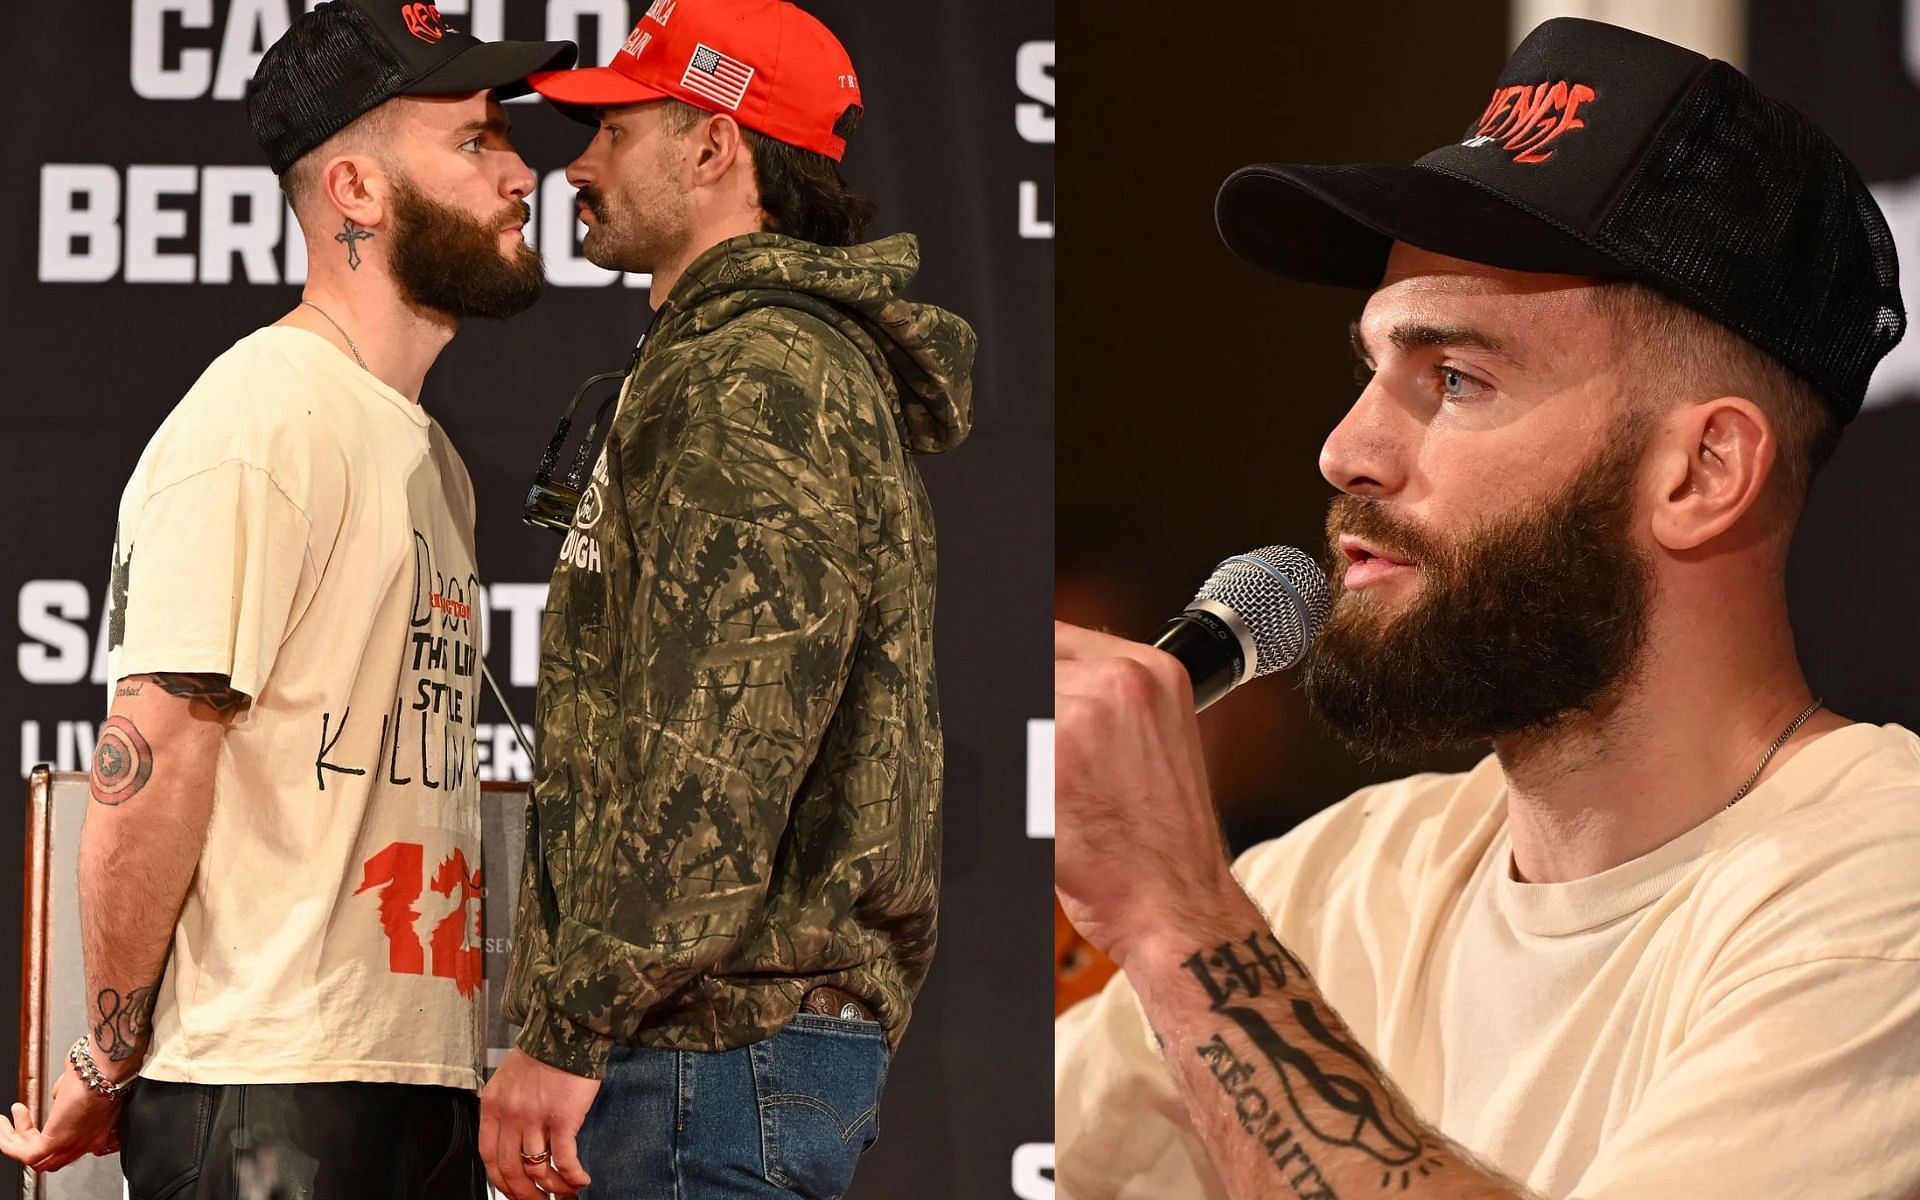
(802,192)
(1694,355)
(367,131)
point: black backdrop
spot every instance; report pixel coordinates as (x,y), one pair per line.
(1852,582)
(1198,389)
(144,238)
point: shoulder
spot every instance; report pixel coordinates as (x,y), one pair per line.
(756,396)
(1826,866)
(795,356)
(251,408)
(1418,818)
(1381,854)
(267,363)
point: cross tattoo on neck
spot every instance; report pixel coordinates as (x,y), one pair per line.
(351,235)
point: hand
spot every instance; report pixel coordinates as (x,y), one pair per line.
(1137,844)
(528,1107)
(80,1122)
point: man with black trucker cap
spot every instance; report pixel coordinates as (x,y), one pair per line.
(280,1007)
(1665,940)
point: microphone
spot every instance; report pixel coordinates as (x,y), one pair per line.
(1256,614)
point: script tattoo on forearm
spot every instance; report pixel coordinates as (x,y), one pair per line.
(125,1022)
(352,235)
(1335,1095)
(122,762)
(214,691)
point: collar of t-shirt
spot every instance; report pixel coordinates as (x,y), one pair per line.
(311,348)
(1580,905)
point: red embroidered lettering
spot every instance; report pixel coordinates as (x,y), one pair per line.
(1529,150)
(1526,119)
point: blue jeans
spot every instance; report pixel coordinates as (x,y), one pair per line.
(788,1116)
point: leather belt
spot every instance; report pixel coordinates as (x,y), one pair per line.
(833,1002)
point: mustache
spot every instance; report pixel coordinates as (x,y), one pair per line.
(1370,520)
(595,202)
(518,213)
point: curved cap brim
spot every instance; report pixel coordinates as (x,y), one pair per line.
(1334,224)
(577,93)
(493,66)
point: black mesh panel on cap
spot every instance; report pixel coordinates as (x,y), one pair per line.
(330,67)
(1744,210)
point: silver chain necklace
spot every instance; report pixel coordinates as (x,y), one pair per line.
(1772,750)
(356,350)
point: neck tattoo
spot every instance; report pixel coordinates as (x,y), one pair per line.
(1772,750)
(356,350)
(351,235)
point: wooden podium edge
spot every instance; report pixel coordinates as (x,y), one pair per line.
(34,915)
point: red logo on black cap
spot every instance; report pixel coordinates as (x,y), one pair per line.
(423,22)
(1530,117)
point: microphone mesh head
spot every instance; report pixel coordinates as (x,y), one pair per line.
(1281,596)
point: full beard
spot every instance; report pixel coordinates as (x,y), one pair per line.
(1516,626)
(447,261)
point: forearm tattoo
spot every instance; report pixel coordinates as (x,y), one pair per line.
(214,691)
(122,762)
(125,1022)
(352,235)
(1321,1093)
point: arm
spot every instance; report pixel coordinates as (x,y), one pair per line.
(152,789)
(1286,1102)
(1275,1084)
(152,786)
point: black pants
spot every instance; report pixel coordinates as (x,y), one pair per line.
(302,1141)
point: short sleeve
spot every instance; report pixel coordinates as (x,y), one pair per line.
(1803,1081)
(206,574)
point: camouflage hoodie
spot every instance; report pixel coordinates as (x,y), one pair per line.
(740,755)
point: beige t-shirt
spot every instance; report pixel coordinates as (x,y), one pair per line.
(299,526)
(1732,1016)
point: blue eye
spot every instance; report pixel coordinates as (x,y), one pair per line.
(1456,384)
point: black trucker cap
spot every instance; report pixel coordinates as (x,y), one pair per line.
(347,57)
(1609,153)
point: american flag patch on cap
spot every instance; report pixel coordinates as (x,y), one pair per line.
(720,79)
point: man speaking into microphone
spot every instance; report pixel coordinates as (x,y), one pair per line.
(1664,940)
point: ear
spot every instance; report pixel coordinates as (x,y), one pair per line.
(1712,465)
(357,187)
(718,149)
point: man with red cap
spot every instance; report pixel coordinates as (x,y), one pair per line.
(730,895)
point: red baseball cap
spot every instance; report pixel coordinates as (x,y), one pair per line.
(773,67)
